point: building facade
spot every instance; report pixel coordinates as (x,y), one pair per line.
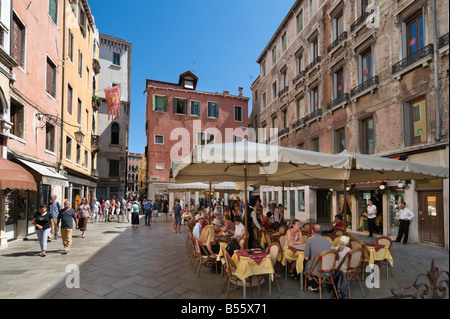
(79,114)
(133,176)
(372,79)
(113,132)
(179,117)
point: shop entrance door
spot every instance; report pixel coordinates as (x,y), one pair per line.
(323,207)
(431,218)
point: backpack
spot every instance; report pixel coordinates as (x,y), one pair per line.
(341,283)
(232,246)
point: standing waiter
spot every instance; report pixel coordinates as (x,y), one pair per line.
(405,216)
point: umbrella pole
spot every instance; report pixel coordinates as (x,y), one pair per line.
(209,201)
(345,204)
(245,205)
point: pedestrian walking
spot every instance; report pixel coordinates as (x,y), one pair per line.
(135,215)
(129,209)
(177,210)
(54,208)
(106,210)
(156,210)
(118,204)
(165,210)
(84,211)
(371,215)
(112,209)
(95,209)
(148,212)
(66,217)
(43,221)
(405,215)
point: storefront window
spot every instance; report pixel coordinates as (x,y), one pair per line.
(395,198)
(32,209)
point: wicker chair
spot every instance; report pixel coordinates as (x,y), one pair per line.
(355,260)
(306,229)
(203,256)
(230,270)
(274,251)
(327,263)
(387,242)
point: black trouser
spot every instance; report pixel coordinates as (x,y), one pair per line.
(403,229)
(371,222)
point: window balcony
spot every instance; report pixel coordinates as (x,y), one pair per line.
(360,21)
(283,132)
(313,64)
(339,40)
(298,77)
(95,144)
(303,121)
(96,66)
(340,101)
(283,91)
(413,60)
(365,87)
(443,41)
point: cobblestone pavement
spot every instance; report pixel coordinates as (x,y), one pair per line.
(118,262)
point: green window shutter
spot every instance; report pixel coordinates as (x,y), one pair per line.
(174,102)
(217,110)
(154,102)
(186,107)
(166,104)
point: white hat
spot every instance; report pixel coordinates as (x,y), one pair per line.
(217,222)
(199,216)
(344,240)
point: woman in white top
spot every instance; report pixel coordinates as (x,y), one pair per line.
(293,238)
(371,215)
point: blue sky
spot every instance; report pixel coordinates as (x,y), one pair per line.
(219,41)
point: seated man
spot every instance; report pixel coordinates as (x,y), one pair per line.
(208,240)
(314,246)
(338,224)
(197,230)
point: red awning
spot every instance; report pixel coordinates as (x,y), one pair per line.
(13,175)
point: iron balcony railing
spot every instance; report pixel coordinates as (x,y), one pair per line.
(342,37)
(286,89)
(365,85)
(343,98)
(360,20)
(307,118)
(443,41)
(317,60)
(416,56)
(283,131)
(299,76)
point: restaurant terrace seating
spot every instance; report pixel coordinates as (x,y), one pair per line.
(355,259)
(327,263)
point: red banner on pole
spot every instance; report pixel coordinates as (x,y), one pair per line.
(112,96)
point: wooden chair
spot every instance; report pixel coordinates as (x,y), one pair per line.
(229,271)
(274,250)
(387,242)
(282,229)
(306,230)
(327,263)
(204,258)
(355,260)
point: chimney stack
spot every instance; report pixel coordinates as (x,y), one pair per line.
(240,91)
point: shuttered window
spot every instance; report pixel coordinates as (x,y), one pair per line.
(51,78)
(159,103)
(18,41)
(213,109)
(180,106)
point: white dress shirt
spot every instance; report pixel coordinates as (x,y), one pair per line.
(405,214)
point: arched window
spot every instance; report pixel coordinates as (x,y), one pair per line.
(115,130)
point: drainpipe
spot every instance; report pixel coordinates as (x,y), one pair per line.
(62,89)
(436,75)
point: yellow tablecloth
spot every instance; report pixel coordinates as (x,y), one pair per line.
(262,239)
(298,257)
(223,246)
(247,267)
(381,254)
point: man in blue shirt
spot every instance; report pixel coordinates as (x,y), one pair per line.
(148,212)
(54,208)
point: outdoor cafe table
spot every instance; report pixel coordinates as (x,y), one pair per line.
(374,252)
(251,262)
(297,256)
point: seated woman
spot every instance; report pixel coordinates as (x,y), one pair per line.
(228,224)
(293,238)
